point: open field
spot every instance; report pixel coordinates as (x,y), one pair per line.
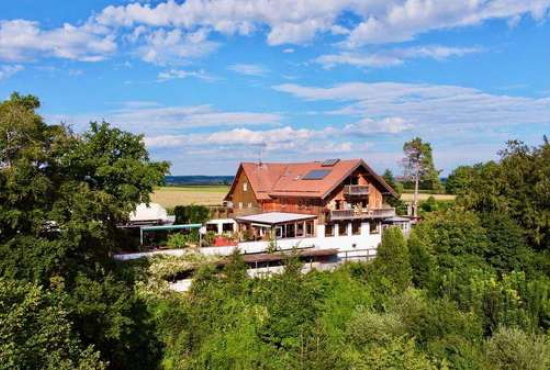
(171,196)
(408,197)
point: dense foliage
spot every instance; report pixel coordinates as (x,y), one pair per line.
(468,289)
(191,214)
(61,197)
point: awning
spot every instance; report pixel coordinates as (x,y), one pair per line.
(275,218)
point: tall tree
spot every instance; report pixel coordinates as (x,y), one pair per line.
(61,197)
(460,179)
(419,166)
(62,194)
(518,185)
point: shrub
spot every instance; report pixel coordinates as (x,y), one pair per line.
(177,240)
(513,349)
(193,214)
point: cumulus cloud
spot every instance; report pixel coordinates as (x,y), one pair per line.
(404,20)
(286,139)
(249,69)
(369,126)
(379,21)
(170,32)
(22,40)
(394,57)
(175,47)
(7,71)
(245,136)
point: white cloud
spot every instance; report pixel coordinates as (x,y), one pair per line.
(175,47)
(299,21)
(173,74)
(241,140)
(22,40)
(145,117)
(166,141)
(388,125)
(404,20)
(389,58)
(7,71)
(289,21)
(433,109)
(249,69)
(245,136)
(173,32)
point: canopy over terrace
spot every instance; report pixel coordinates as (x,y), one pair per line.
(285,225)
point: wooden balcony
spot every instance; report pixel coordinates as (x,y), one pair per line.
(356,190)
(342,215)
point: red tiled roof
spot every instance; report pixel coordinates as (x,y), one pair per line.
(286,179)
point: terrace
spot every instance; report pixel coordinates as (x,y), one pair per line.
(356,190)
(358,214)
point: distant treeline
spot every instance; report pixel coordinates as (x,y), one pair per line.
(198,180)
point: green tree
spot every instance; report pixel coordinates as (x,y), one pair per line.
(393,252)
(36,333)
(508,248)
(419,166)
(460,180)
(519,185)
(61,194)
(61,197)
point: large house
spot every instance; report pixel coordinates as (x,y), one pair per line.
(314,202)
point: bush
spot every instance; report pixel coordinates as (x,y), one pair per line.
(193,214)
(513,349)
(177,240)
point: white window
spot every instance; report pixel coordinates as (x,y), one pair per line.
(249,205)
(240,205)
(245,186)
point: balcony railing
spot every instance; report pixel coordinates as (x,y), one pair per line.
(351,214)
(356,190)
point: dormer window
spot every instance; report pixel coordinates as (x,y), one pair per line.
(245,186)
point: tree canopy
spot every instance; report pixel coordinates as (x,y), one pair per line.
(61,196)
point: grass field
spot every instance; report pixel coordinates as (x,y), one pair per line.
(408,197)
(211,195)
(208,195)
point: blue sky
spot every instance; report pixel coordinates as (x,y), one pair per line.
(213,83)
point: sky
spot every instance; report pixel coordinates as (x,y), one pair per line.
(213,83)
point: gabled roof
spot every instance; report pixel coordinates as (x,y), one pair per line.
(269,180)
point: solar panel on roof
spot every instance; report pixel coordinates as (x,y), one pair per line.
(330,162)
(316,175)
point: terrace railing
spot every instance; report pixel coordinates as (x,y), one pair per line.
(356,190)
(351,214)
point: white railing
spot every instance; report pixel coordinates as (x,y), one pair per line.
(347,214)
